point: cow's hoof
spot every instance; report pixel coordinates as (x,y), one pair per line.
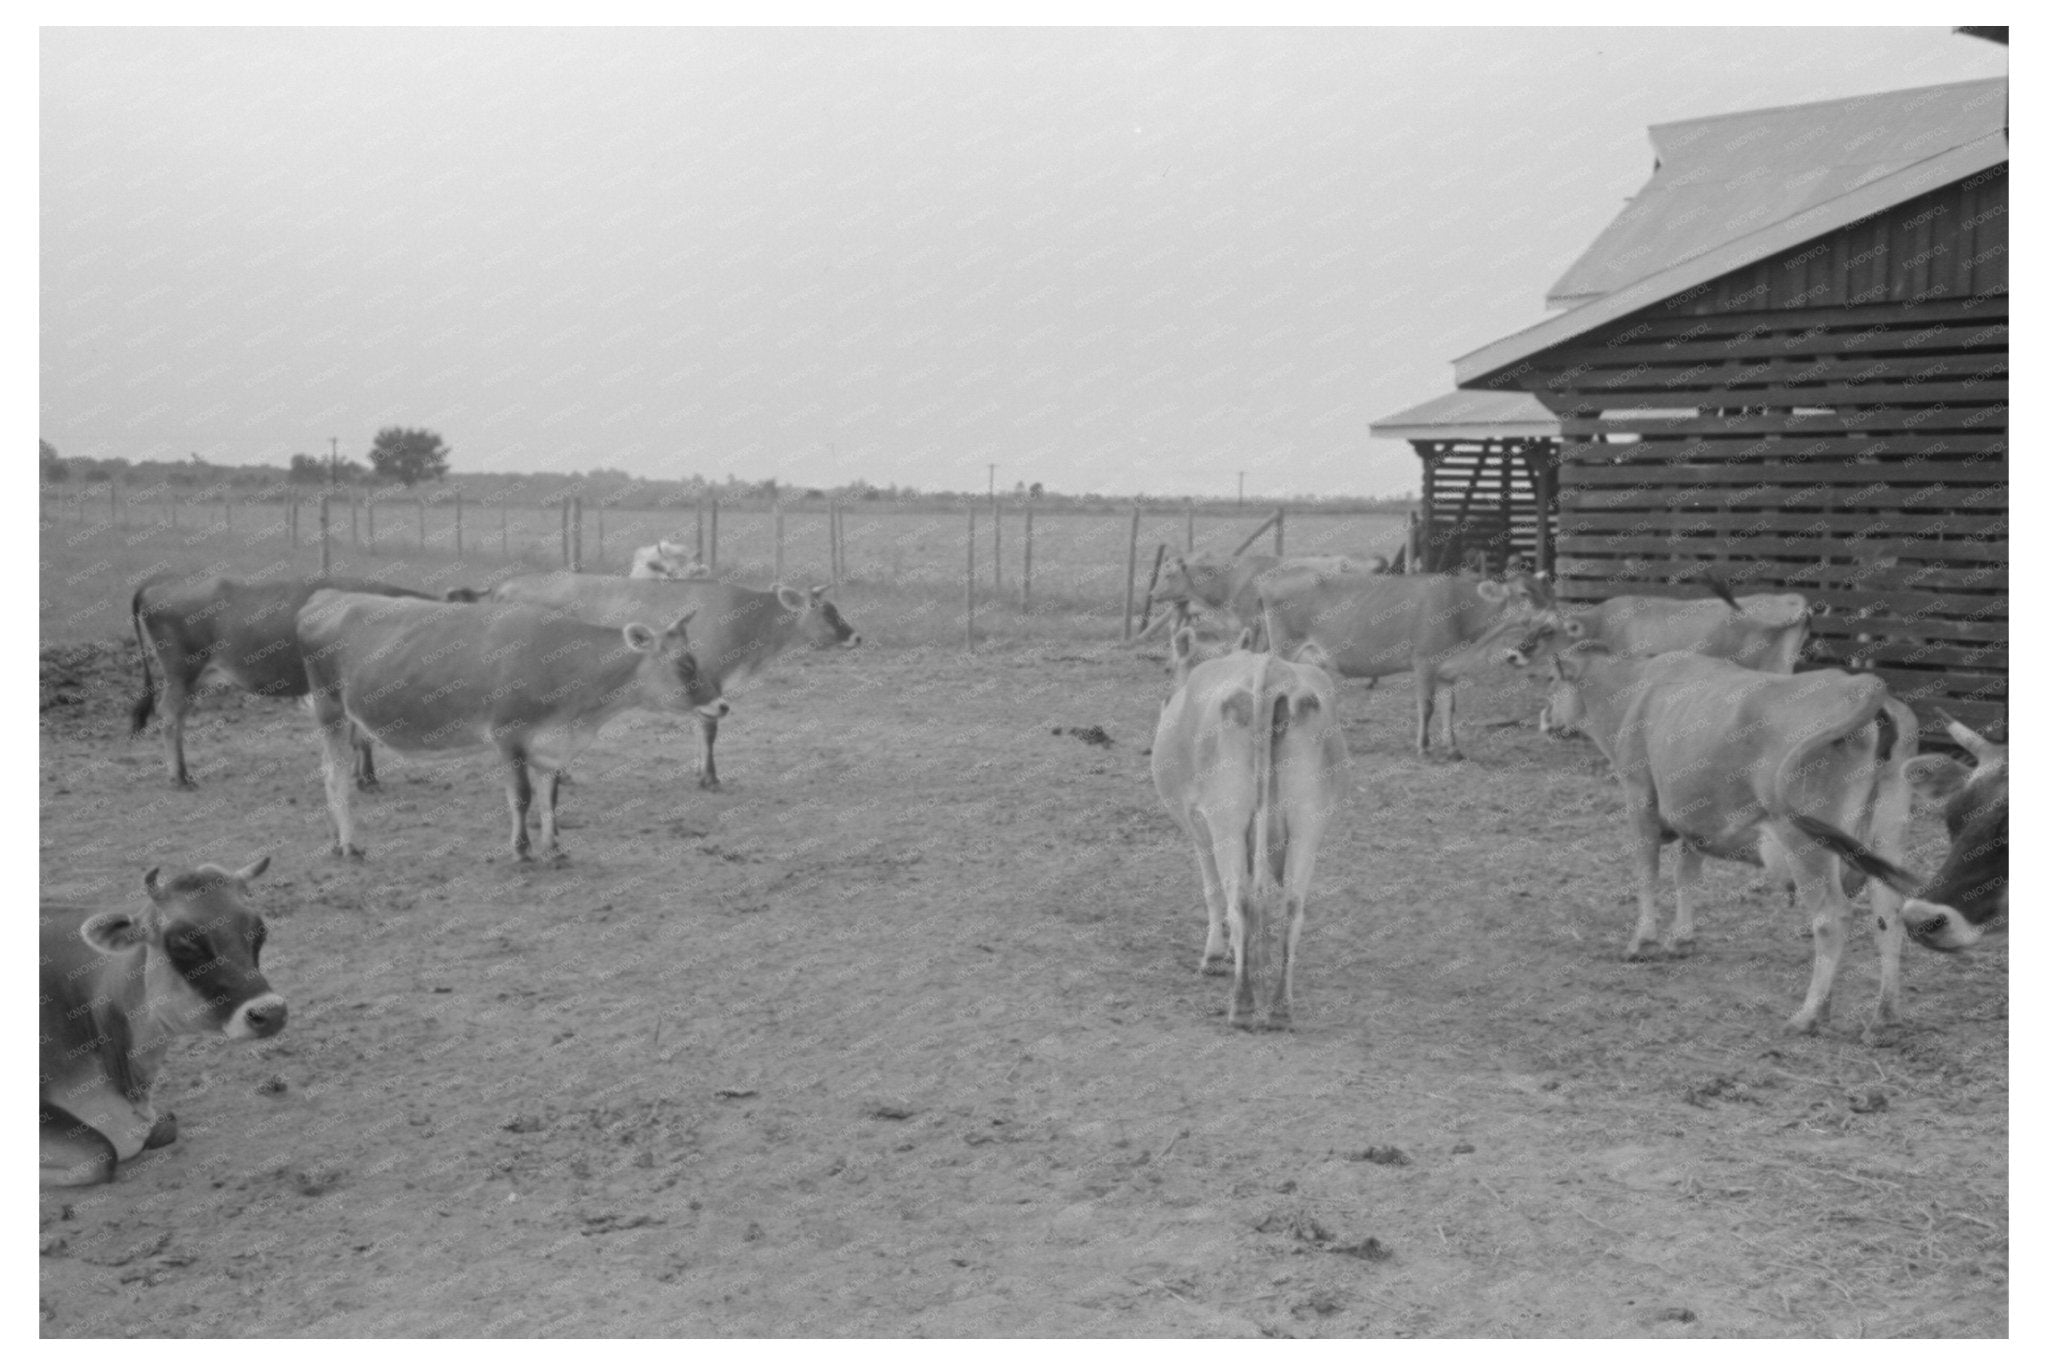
(163,1132)
(1282,1021)
(184,784)
(348,851)
(368,784)
(1678,947)
(1639,952)
(1802,1022)
(1215,966)
(710,784)
(1243,1021)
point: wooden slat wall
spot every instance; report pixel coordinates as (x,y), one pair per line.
(1855,454)
(1503,492)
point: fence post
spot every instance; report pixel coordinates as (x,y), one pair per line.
(325,563)
(113,502)
(970,578)
(370,523)
(778,540)
(832,537)
(995,558)
(1280,532)
(565,533)
(599,561)
(1131,575)
(576,535)
(1158,558)
(1191,525)
(1027,557)
(712,563)
(419,505)
(504,532)
(458,523)
(355,540)
(700,529)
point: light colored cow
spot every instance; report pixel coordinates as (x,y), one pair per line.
(220,631)
(439,678)
(1723,759)
(1249,760)
(1949,910)
(1438,626)
(117,987)
(739,631)
(1230,586)
(666,559)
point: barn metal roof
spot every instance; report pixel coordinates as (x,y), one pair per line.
(1815,168)
(1470,415)
(1723,177)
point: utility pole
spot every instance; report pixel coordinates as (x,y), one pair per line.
(1240,490)
(334,462)
(995,518)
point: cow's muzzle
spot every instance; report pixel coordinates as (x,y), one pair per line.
(262,1017)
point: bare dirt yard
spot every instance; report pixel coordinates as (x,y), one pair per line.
(902,1034)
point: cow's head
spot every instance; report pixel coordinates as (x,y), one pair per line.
(1955,904)
(666,559)
(1565,707)
(199,943)
(817,619)
(670,676)
(1190,651)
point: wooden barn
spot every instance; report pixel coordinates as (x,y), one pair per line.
(1785,362)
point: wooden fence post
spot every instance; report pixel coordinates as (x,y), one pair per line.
(576,535)
(1246,544)
(458,523)
(970,578)
(599,561)
(1280,533)
(1027,557)
(1131,575)
(565,533)
(1158,558)
(712,563)
(370,523)
(504,531)
(419,505)
(832,537)
(326,563)
(995,559)
(700,530)
(778,540)
(1191,525)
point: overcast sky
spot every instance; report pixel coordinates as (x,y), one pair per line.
(1111,260)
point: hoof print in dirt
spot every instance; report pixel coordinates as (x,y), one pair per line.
(1678,1315)
(525,1123)
(890,1111)
(1382,1156)
(1870,1102)
(272,1085)
(313,1184)
(1087,734)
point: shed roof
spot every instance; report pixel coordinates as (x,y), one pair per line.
(1470,415)
(1739,188)
(1725,176)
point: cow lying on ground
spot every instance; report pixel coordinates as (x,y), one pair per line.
(1716,756)
(739,631)
(117,987)
(1370,626)
(436,678)
(1949,910)
(666,559)
(220,631)
(1249,759)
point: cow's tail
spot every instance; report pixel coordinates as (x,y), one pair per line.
(1887,798)
(145,705)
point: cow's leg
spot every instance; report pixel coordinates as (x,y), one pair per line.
(1227,842)
(1820,885)
(1450,696)
(1648,832)
(550,785)
(1888,827)
(1425,705)
(1777,868)
(366,763)
(73,1152)
(174,702)
(1687,875)
(519,793)
(338,767)
(707,765)
(1215,947)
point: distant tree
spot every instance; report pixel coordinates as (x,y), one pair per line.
(1037,490)
(51,464)
(409,454)
(308,469)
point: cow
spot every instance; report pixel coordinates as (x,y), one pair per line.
(666,559)
(1723,760)
(1230,586)
(1763,631)
(117,987)
(1949,910)
(221,631)
(1373,625)
(439,678)
(739,630)
(1249,760)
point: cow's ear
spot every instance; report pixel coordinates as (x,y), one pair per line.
(253,870)
(1245,638)
(818,593)
(1183,644)
(639,638)
(1491,591)
(152,885)
(1936,777)
(114,931)
(791,599)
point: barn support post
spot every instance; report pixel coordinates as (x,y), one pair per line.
(326,561)
(1131,574)
(970,578)
(1423,560)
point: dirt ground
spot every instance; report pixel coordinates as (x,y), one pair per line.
(902,1034)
